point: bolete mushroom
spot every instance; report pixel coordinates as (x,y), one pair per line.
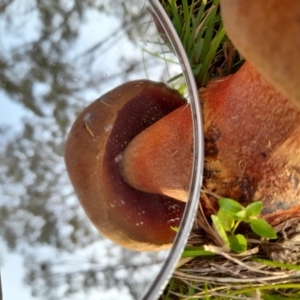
(252,128)
(252,147)
(131,218)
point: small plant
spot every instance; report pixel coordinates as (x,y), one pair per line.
(199,26)
(231,214)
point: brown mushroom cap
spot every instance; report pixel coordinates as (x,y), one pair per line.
(131,218)
(267,34)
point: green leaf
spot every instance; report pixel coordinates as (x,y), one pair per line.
(230,205)
(220,229)
(241,214)
(226,219)
(254,209)
(209,30)
(277,264)
(187,20)
(262,228)
(195,252)
(238,243)
(211,54)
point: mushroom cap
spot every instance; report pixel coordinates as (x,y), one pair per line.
(267,34)
(131,218)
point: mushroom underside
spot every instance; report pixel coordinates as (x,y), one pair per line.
(131,218)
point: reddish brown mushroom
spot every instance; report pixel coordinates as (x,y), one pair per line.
(252,147)
(251,137)
(251,129)
(247,124)
(131,218)
(160,159)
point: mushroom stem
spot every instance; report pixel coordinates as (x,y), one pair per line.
(246,122)
(160,159)
(251,146)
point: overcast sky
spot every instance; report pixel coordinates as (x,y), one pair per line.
(11,114)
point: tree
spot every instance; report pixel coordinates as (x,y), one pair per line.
(40,70)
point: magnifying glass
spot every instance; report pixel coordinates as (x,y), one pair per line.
(97,152)
(198,161)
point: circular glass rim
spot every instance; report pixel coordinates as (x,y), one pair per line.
(179,243)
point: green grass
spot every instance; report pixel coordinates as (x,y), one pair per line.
(201,31)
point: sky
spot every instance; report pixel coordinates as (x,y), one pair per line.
(11,114)
(12,271)
(12,277)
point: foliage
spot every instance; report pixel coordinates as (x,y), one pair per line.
(210,272)
(203,37)
(231,213)
(180,288)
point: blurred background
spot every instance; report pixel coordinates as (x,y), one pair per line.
(55,58)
